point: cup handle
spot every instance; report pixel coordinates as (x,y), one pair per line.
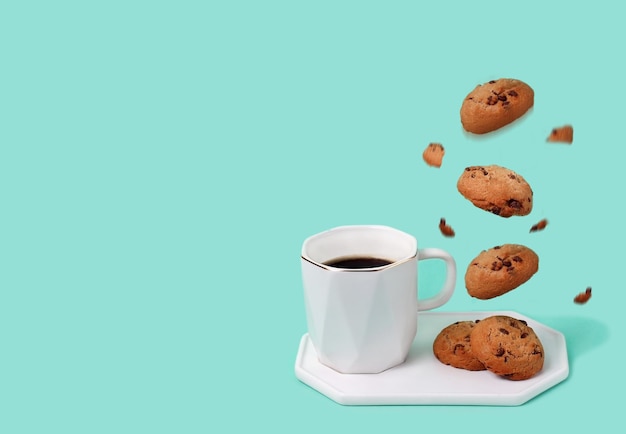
(448,287)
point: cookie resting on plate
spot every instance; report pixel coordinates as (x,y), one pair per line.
(507,347)
(452,346)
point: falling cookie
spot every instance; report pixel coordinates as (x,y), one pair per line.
(496,189)
(492,105)
(501,269)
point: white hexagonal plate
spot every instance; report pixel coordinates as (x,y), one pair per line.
(423,380)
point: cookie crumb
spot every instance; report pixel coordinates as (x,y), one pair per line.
(539,226)
(445,229)
(583,297)
(564,134)
(433,154)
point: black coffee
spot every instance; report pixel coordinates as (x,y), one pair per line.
(357,262)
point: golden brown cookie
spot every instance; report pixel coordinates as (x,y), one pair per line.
(452,346)
(492,105)
(499,270)
(564,134)
(507,347)
(496,189)
(433,154)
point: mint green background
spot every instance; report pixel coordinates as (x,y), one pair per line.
(162,162)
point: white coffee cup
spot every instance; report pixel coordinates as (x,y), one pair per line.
(364,320)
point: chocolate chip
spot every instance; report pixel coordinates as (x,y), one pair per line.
(500,352)
(523,322)
(517,259)
(496,210)
(512,93)
(457,346)
(524,335)
(496,266)
(509,269)
(502,97)
(492,100)
(506,263)
(512,176)
(505,103)
(514,203)
(492,81)
(504,331)
(497,247)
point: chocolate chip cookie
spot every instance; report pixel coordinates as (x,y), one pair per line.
(492,105)
(452,346)
(507,347)
(496,189)
(499,270)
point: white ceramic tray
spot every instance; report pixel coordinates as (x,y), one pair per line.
(423,380)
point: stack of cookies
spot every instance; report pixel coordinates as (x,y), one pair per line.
(506,346)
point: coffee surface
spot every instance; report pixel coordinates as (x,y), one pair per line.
(357,262)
